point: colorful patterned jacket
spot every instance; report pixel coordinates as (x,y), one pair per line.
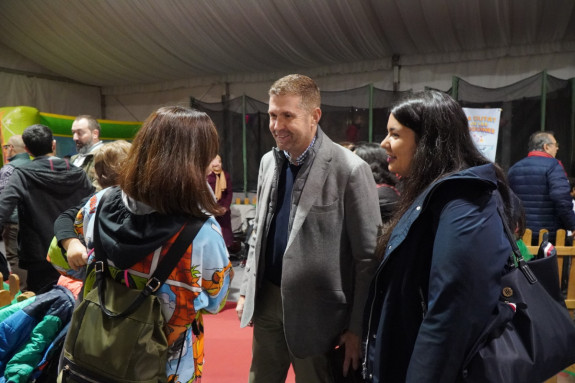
(130,230)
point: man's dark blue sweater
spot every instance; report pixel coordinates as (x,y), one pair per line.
(279,229)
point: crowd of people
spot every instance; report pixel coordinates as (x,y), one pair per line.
(370,262)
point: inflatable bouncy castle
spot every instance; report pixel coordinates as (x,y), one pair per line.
(14,119)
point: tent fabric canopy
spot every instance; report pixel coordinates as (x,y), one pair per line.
(134,42)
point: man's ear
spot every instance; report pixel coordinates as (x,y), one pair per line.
(54,146)
(316,114)
(96,133)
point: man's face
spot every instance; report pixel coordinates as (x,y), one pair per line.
(551,148)
(292,126)
(83,136)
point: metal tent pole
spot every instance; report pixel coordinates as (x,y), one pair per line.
(455,87)
(543,99)
(244,145)
(370,126)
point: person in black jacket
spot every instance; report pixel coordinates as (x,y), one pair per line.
(388,193)
(541,183)
(41,190)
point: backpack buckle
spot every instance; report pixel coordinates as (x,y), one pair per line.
(153,285)
(99,266)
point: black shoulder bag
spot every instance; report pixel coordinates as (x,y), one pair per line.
(532,337)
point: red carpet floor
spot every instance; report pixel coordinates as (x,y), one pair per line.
(228,348)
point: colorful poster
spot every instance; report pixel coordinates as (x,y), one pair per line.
(484,129)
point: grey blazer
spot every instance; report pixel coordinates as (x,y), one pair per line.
(329,260)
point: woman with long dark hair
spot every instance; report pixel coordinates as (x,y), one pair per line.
(162,188)
(444,252)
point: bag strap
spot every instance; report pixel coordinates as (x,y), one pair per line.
(162,272)
(516,260)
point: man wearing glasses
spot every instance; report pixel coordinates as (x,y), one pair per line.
(15,153)
(541,183)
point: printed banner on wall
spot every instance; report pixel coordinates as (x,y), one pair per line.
(484,129)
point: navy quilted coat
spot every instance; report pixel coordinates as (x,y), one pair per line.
(438,283)
(542,186)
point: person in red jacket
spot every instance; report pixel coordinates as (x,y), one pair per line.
(541,183)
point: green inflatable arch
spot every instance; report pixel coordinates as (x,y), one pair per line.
(14,119)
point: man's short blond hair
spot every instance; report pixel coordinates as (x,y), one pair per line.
(298,85)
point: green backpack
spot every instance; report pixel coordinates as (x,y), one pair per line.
(116,333)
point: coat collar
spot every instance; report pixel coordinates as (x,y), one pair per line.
(483,174)
(23,156)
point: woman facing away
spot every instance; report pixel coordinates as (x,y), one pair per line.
(162,186)
(443,255)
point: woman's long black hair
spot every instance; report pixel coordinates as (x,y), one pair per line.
(444,146)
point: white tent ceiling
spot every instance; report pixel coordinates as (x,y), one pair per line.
(131,42)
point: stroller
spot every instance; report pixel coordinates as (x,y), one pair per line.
(242,239)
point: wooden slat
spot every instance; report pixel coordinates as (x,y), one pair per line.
(14,282)
(25,295)
(559,238)
(5,298)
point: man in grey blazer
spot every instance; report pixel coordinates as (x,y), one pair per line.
(311,255)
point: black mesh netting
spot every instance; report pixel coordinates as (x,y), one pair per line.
(536,103)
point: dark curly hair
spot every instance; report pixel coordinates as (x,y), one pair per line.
(376,158)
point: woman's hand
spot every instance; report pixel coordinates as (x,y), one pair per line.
(76,253)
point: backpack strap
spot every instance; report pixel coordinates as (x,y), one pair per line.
(162,272)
